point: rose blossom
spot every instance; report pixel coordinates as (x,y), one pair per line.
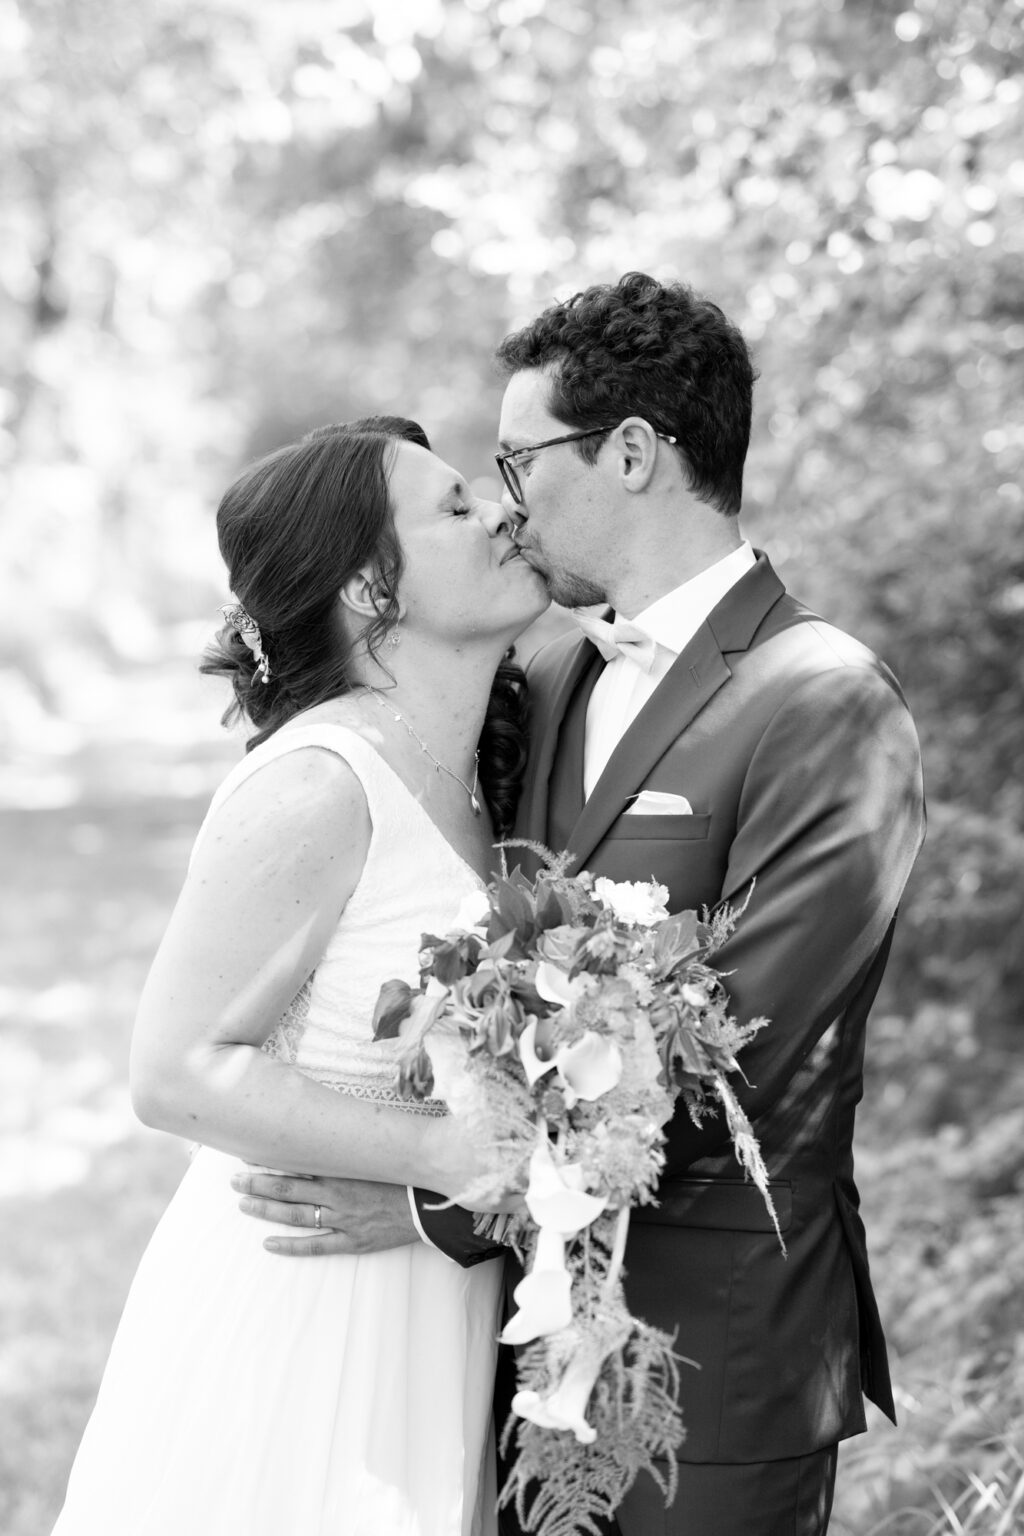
(643,902)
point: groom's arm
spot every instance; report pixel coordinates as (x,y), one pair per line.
(830,821)
(452,1230)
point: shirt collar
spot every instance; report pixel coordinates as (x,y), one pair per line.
(675,618)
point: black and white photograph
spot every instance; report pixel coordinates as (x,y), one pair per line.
(511,724)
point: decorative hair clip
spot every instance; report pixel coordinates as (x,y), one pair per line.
(249,632)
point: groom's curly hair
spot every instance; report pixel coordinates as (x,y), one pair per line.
(291,529)
(639,347)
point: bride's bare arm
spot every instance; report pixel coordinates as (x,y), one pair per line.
(267,885)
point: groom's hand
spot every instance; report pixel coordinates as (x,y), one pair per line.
(355,1215)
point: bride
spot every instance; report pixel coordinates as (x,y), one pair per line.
(246,1396)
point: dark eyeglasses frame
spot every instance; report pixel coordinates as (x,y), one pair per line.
(505,463)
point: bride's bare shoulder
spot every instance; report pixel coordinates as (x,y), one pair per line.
(306,796)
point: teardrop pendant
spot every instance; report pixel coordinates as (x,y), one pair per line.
(474,805)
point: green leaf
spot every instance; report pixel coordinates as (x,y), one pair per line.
(674,939)
(455,958)
(523,988)
(515,908)
(684,1057)
(416,1075)
(552,911)
(392,1008)
(501,947)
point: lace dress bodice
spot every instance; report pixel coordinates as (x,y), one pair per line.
(412,883)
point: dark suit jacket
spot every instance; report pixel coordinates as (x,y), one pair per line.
(795,747)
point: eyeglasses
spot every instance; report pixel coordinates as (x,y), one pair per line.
(506,462)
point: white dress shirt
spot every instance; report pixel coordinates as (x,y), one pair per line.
(623,688)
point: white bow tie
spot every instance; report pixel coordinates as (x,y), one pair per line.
(620,638)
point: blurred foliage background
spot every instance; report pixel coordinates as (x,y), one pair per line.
(223,224)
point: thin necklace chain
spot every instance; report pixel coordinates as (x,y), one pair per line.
(471,790)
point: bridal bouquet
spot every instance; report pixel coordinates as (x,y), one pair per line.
(560,1020)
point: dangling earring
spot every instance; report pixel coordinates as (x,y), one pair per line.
(394,637)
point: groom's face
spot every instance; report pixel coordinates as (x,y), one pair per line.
(565,511)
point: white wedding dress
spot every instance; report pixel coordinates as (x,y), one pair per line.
(249,1394)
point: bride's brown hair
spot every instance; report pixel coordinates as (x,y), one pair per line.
(291,530)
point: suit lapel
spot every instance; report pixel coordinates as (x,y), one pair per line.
(565,784)
(549,700)
(695,677)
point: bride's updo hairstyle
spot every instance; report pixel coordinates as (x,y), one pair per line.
(291,530)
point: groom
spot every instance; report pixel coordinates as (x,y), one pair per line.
(713,734)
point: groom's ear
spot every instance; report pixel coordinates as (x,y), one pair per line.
(636,445)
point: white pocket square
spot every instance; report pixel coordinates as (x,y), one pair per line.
(652,802)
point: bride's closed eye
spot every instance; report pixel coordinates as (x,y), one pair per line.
(459,501)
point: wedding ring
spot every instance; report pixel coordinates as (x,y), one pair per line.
(316,1217)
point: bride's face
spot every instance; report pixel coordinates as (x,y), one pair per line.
(462,575)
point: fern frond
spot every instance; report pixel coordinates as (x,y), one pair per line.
(561,1487)
(556,864)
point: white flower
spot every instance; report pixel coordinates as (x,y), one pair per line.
(473,912)
(544,1295)
(554,984)
(533,1066)
(459,1089)
(589,1068)
(643,902)
(555,1196)
(586,1069)
(566,1406)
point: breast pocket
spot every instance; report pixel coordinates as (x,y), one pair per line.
(664,829)
(679,852)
